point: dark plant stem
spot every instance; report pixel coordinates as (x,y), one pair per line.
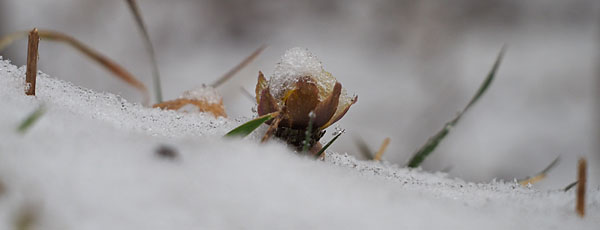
(32,57)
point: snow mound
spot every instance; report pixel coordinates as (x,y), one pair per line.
(96,161)
(297,63)
(204,93)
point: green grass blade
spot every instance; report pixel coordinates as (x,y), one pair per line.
(488,80)
(570,186)
(308,133)
(328,144)
(432,143)
(31,119)
(247,128)
(363,148)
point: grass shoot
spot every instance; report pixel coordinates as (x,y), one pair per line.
(28,122)
(431,144)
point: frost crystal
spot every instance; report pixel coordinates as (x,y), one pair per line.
(204,93)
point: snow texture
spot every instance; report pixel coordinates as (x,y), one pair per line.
(91,162)
(300,62)
(204,93)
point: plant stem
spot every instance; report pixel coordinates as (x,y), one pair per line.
(581,175)
(32,57)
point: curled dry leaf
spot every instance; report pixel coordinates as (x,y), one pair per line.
(202,99)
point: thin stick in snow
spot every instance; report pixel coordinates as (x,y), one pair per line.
(32,57)
(581,175)
(384,145)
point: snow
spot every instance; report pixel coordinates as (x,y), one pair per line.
(299,62)
(204,93)
(91,162)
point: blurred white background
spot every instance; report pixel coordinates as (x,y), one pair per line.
(414,65)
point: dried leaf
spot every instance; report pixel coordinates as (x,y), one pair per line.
(299,103)
(261,85)
(267,103)
(217,110)
(326,109)
(340,113)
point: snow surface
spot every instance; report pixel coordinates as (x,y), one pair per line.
(91,163)
(204,93)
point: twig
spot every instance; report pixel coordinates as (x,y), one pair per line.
(381,150)
(272,128)
(238,67)
(155,73)
(581,175)
(32,57)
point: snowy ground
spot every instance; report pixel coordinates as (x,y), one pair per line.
(91,162)
(415,63)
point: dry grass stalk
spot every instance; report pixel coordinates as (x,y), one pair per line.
(541,175)
(382,149)
(581,175)
(272,128)
(110,65)
(32,57)
(238,67)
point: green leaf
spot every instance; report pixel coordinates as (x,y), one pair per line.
(31,119)
(328,144)
(363,148)
(246,128)
(308,132)
(419,156)
(570,186)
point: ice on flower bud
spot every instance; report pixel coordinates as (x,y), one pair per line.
(299,85)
